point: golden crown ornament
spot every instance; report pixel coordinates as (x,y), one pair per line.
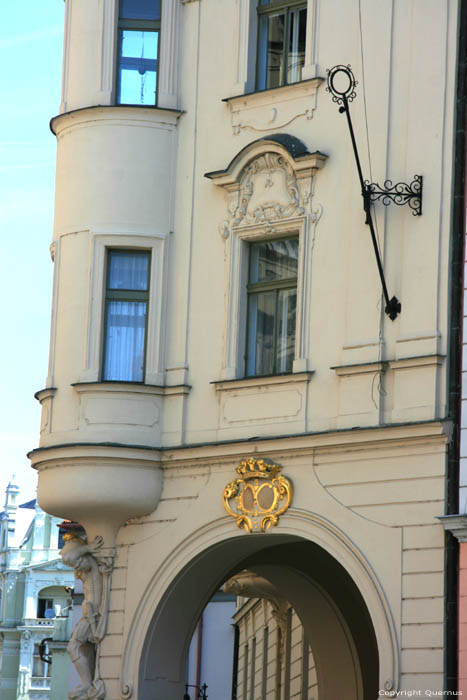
(259,497)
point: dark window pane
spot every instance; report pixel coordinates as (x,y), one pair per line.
(261,69)
(274,260)
(137,67)
(281,45)
(287,316)
(261,330)
(296,47)
(124,340)
(128,270)
(140,9)
(275,50)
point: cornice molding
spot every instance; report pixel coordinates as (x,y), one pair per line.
(456,525)
(222,453)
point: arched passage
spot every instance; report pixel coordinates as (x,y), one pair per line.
(329,604)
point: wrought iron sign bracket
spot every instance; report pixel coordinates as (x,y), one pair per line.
(341,84)
(401,193)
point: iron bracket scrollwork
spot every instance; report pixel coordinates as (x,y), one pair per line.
(401,193)
(341,85)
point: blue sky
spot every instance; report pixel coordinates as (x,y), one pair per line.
(30,76)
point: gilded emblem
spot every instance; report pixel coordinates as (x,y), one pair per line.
(259,496)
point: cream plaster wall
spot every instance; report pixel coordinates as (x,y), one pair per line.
(367,400)
(262,660)
(136,172)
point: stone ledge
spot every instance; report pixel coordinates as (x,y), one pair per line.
(272,95)
(130,387)
(270,380)
(46,393)
(456,525)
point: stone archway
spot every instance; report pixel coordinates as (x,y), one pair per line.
(329,604)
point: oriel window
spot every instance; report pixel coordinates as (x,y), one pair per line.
(281,42)
(138,49)
(272,306)
(126,312)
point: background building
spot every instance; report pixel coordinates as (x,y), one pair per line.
(218,326)
(34,594)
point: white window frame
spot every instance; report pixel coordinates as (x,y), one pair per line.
(250,349)
(236,322)
(168,73)
(250,175)
(246,43)
(156,244)
(143,25)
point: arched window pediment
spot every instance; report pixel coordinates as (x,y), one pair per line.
(268,180)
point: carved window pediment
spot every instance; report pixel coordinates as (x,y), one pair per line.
(269,180)
(269,189)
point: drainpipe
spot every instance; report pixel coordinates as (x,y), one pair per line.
(199,652)
(455,354)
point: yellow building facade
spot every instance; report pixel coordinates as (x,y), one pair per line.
(216,300)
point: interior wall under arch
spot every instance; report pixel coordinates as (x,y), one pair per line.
(347,657)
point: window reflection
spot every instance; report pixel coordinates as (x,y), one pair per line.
(138,67)
(138,44)
(272,305)
(281,45)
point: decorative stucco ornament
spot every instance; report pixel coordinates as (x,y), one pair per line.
(259,497)
(251,585)
(94,572)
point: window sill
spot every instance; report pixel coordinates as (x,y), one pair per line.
(97,113)
(262,381)
(383,365)
(129,387)
(274,108)
(47,393)
(271,94)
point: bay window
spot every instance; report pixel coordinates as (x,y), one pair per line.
(272,305)
(126,313)
(281,42)
(138,49)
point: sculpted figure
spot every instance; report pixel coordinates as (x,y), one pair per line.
(83,649)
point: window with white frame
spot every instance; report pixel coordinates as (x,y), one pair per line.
(138,51)
(126,313)
(40,668)
(281,42)
(272,306)
(45,608)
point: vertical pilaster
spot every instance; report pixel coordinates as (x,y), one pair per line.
(168,55)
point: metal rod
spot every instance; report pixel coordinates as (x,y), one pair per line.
(366,207)
(354,143)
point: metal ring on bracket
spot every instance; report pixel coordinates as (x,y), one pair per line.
(349,92)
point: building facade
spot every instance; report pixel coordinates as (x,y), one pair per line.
(34,597)
(225,390)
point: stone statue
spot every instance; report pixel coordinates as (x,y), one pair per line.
(83,647)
